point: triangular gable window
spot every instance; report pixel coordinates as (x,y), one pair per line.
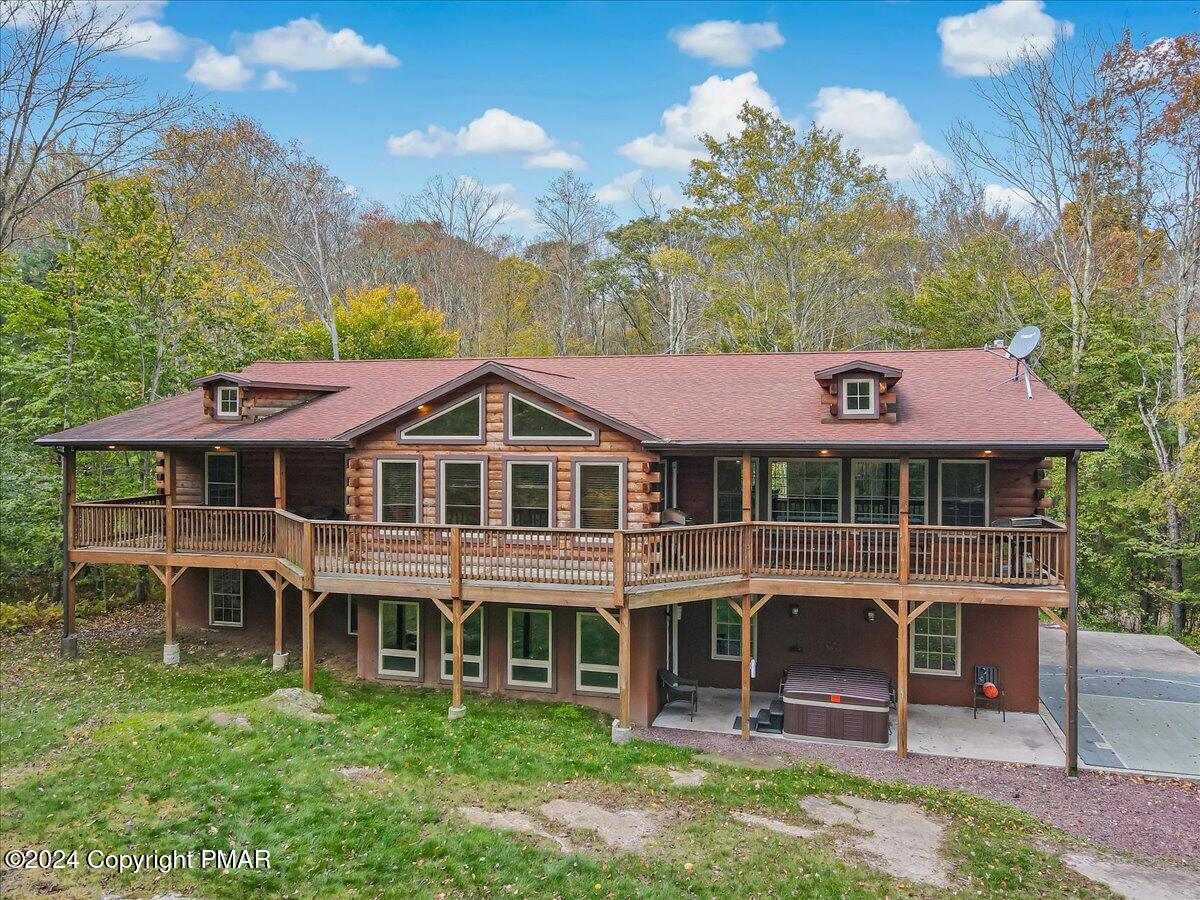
(459,423)
(531,423)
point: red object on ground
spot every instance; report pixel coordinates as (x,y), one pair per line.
(991,691)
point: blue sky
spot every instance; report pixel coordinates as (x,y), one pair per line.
(587,84)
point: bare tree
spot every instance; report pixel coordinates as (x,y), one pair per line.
(65,119)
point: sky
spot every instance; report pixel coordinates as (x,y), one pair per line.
(511,94)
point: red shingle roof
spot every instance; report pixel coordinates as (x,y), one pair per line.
(948,398)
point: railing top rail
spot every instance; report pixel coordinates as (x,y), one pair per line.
(190,506)
(1053,528)
(142,500)
(289,515)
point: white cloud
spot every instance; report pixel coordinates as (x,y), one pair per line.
(273,81)
(555,159)
(879,127)
(149,40)
(712,108)
(997,197)
(433,141)
(305,45)
(989,40)
(727,43)
(216,71)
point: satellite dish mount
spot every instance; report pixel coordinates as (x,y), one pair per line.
(1020,348)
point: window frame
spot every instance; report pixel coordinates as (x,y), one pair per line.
(511,437)
(713,632)
(403,436)
(872,412)
(237,401)
(241,622)
(581,666)
(987,489)
(621,465)
(871,459)
(833,460)
(510,660)
(237,476)
(716,495)
(446,672)
(958,649)
(380,462)
(551,465)
(352,615)
(381,652)
(482,463)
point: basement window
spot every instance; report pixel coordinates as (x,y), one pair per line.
(229,401)
(400,638)
(472,648)
(934,638)
(529,644)
(225,598)
(727,631)
(597,655)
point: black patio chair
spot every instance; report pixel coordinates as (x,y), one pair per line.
(984,675)
(677,688)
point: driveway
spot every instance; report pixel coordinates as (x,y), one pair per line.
(1139,700)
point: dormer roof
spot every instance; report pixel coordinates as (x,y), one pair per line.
(887,373)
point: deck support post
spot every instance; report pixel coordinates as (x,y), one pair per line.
(622,728)
(747,616)
(68,645)
(902,551)
(308,652)
(170,643)
(457,710)
(279,658)
(280,467)
(902,678)
(1072,674)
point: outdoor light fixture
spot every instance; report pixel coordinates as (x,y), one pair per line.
(869,614)
(794,610)
(825,452)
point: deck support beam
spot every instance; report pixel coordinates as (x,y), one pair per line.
(747,615)
(308,652)
(622,729)
(902,678)
(456,657)
(1072,674)
(68,645)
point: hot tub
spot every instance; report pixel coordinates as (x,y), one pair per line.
(839,702)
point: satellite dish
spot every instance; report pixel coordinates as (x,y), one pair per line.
(1024,342)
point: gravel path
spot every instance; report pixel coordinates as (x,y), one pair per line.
(1145,816)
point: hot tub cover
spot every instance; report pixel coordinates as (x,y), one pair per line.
(838,684)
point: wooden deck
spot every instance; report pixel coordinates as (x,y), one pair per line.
(646,567)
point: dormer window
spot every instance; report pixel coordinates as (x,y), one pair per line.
(858,396)
(229,401)
(859,390)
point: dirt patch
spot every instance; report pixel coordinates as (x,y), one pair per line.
(625,829)
(774,825)
(899,838)
(360,773)
(229,720)
(744,760)
(299,704)
(511,820)
(690,778)
(1137,881)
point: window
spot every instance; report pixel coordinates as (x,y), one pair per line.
(351,614)
(963,488)
(934,638)
(529,643)
(472,648)
(462,493)
(597,654)
(530,493)
(400,638)
(599,496)
(221,479)
(531,423)
(727,490)
(806,490)
(461,422)
(225,598)
(858,396)
(229,401)
(399,490)
(727,631)
(876,491)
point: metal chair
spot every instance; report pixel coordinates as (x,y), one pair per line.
(677,688)
(984,675)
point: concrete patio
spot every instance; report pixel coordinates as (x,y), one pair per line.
(933,730)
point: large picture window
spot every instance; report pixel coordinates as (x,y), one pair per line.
(598,495)
(934,637)
(400,638)
(876,491)
(531,423)
(530,494)
(461,422)
(225,598)
(462,492)
(473,632)
(963,488)
(529,645)
(399,490)
(806,490)
(221,479)
(597,654)
(727,490)
(727,631)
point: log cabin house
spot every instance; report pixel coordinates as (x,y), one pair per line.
(564,528)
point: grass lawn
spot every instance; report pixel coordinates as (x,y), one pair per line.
(115,752)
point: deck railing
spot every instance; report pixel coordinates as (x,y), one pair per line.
(581,558)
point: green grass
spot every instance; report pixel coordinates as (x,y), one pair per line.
(117,753)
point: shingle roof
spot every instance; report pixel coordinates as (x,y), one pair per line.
(948,398)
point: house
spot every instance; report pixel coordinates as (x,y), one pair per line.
(514,524)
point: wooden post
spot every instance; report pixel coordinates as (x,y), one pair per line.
(455,561)
(1072,616)
(280,583)
(307,650)
(280,481)
(902,678)
(746,617)
(169,604)
(902,549)
(68,646)
(624,663)
(456,650)
(619,569)
(168,503)
(747,513)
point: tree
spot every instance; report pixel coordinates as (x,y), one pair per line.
(514,290)
(65,119)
